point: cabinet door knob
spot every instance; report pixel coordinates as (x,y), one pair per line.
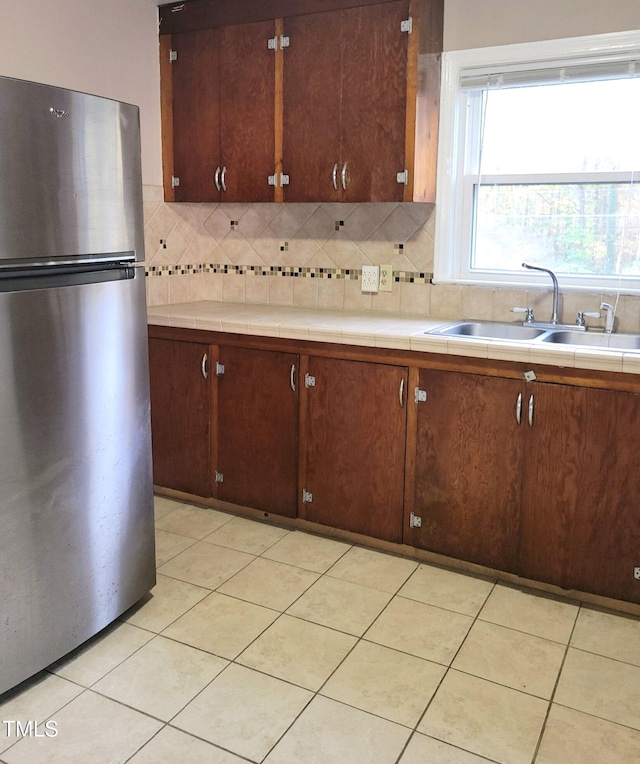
(216,178)
(335,176)
(519,408)
(203,366)
(343,176)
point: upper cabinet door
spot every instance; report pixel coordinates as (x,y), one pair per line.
(373,103)
(247,112)
(311,108)
(345,92)
(195,105)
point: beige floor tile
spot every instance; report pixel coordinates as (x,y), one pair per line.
(269,583)
(512,658)
(328,731)
(532,612)
(243,711)
(162,505)
(168,545)
(485,718)
(247,535)
(161,678)
(426,750)
(298,651)
(373,569)
(307,551)
(421,630)
(195,522)
(206,565)
(571,737)
(600,686)
(447,589)
(90,729)
(221,625)
(169,599)
(171,745)
(340,605)
(385,682)
(101,654)
(609,634)
(37,699)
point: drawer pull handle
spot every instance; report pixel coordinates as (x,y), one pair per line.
(344,176)
(292,379)
(519,408)
(223,178)
(335,176)
(216,178)
(531,410)
(203,366)
(401,393)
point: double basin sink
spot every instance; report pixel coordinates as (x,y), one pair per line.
(518,333)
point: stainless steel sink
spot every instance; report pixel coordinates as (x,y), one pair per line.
(489,330)
(614,341)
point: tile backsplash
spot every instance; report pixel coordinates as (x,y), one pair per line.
(311,255)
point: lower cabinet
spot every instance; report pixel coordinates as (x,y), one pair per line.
(180,415)
(468,468)
(354,433)
(257,429)
(535,479)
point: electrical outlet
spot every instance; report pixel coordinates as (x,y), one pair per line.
(386,278)
(370,278)
(636,573)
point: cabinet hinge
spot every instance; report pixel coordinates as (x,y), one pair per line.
(284,42)
(175,182)
(309,380)
(407,25)
(415,521)
(420,395)
(272,43)
(273,179)
(307,497)
(403,177)
(219,477)
(219,369)
(173,56)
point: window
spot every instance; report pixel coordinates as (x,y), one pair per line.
(540,163)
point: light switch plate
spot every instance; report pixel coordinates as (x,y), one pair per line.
(386,278)
(370,278)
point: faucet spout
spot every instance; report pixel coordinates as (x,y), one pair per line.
(554,309)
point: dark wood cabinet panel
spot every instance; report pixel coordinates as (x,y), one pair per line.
(258,429)
(354,444)
(468,468)
(580,524)
(196,115)
(345,92)
(180,415)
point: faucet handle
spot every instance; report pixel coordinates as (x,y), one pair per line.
(529,311)
(582,314)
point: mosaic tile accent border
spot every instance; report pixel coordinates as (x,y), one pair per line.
(286,271)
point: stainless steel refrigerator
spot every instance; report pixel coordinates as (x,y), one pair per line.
(76,501)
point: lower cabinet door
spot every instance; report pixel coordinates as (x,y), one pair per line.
(354,431)
(468,467)
(257,418)
(180,415)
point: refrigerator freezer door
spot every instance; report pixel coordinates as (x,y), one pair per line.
(70,170)
(76,503)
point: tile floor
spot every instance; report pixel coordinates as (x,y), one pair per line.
(261,644)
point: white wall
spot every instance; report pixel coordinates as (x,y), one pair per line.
(105,47)
(479,23)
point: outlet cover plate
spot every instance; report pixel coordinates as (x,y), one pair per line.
(386,278)
(370,278)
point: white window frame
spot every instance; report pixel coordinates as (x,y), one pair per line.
(454,197)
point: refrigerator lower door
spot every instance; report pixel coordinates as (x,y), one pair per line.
(76,501)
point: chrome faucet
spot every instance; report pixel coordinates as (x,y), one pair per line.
(554,309)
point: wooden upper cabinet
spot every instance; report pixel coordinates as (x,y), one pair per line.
(345,92)
(219,114)
(348,109)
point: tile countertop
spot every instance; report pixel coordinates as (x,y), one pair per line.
(382,330)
